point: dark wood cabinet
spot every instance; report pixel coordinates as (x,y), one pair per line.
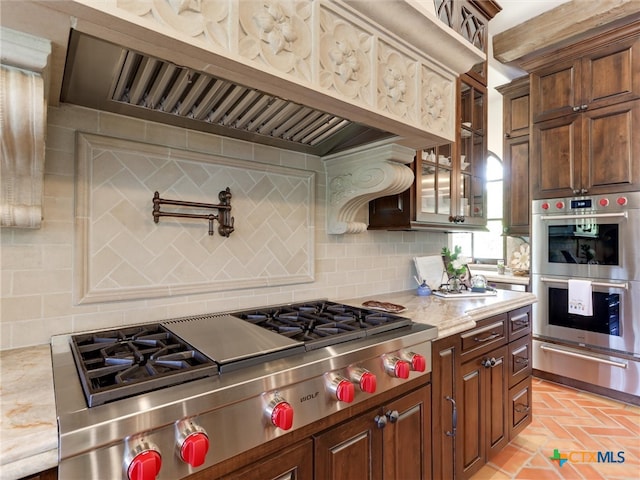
(481,383)
(294,463)
(515,157)
(51,474)
(585,102)
(595,152)
(391,442)
(606,73)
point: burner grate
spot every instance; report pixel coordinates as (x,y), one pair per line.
(119,363)
(319,324)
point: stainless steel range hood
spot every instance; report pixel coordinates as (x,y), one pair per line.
(104,76)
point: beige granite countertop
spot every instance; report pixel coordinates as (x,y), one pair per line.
(29,433)
(28,428)
(451,316)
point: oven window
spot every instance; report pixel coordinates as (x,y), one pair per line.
(585,243)
(606,312)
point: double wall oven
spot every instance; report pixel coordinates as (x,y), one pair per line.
(595,239)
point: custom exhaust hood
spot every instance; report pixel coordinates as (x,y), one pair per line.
(361,84)
(105,76)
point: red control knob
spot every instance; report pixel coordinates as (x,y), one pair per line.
(604,202)
(418,363)
(345,392)
(545,206)
(622,200)
(560,205)
(282,415)
(402,369)
(145,466)
(194,449)
(368,382)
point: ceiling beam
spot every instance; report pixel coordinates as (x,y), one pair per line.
(555,28)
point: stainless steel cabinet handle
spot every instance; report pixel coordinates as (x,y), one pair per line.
(622,285)
(521,360)
(521,408)
(575,109)
(583,356)
(454,418)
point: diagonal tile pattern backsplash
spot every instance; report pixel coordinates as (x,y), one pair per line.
(123,254)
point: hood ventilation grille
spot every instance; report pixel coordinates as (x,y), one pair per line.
(150,83)
(108,77)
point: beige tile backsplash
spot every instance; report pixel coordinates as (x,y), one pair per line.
(38,266)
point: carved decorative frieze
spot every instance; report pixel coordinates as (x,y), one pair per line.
(355,51)
(358,176)
(345,63)
(396,82)
(435,110)
(277,32)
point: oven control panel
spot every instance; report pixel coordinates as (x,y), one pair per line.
(587,205)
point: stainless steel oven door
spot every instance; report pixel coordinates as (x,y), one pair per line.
(614,325)
(594,242)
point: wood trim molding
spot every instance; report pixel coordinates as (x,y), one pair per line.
(567,23)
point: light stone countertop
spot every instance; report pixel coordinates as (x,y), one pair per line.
(29,432)
(451,316)
(28,428)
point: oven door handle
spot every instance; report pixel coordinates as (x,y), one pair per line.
(583,356)
(623,285)
(584,216)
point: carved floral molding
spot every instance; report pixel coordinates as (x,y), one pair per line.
(333,48)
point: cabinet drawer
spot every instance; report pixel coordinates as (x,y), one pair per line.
(519,360)
(519,322)
(520,408)
(489,334)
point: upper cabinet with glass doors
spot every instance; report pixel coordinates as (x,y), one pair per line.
(449,190)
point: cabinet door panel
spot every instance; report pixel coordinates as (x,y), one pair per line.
(497,426)
(520,407)
(444,394)
(517,197)
(556,153)
(612,74)
(406,444)
(612,143)
(471,444)
(555,90)
(351,450)
(295,463)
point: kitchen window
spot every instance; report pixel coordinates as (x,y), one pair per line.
(487,247)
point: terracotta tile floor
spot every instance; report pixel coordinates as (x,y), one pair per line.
(571,421)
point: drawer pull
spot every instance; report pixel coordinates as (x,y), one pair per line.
(521,408)
(521,321)
(521,360)
(486,339)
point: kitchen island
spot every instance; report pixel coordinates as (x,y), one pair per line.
(29,428)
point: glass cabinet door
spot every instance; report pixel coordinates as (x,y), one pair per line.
(434,174)
(471,189)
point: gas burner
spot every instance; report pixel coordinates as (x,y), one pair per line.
(119,363)
(319,324)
